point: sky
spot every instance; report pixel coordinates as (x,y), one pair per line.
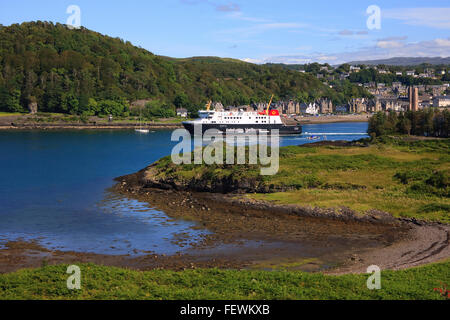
(259,31)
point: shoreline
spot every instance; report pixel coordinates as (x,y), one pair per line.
(18,123)
(406,242)
(349,242)
(86,127)
(416,242)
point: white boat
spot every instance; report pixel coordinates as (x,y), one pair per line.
(241,121)
(140,129)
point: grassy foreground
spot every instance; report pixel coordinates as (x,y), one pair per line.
(98,282)
(398,175)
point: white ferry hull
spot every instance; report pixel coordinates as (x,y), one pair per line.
(244,128)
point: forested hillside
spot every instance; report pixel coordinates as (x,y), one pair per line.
(84,72)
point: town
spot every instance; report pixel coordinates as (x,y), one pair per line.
(398,89)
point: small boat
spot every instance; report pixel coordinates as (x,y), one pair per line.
(140,129)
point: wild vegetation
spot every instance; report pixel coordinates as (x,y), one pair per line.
(426,122)
(404,177)
(84,72)
(107,283)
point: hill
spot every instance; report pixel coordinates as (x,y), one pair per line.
(405,61)
(85,72)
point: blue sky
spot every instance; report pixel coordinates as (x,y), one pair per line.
(258,30)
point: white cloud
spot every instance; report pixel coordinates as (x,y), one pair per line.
(239,15)
(430,17)
(256,61)
(443,42)
(229,7)
(393,38)
(346,33)
(261,28)
(327,58)
(383,49)
(389,44)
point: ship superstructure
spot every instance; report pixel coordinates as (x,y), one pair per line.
(241,122)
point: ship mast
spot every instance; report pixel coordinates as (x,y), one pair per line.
(268,107)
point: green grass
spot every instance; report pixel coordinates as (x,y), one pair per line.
(404,178)
(99,282)
(10,114)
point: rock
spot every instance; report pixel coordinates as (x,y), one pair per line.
(33,107)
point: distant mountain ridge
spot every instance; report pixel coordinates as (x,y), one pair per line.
(405,61)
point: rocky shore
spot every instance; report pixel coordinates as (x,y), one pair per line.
(232,216)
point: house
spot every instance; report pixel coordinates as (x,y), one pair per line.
(396,85)
(441,101)
(182,112)
(357,105)
(411,73)
(325,106)
(341,109)
(311,108)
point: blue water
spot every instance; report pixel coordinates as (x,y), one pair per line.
(53,189)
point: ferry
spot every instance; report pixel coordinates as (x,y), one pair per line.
(241,122)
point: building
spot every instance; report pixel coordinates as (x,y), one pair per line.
(325,106)
(437,90)
(311,109)
(182,112)
(373,106)
(413,95)
(218,106)
(425,101)
(357,105)
(441,101)
(341,109)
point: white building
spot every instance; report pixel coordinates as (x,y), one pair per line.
(181,112)
(441,101)
(311,109)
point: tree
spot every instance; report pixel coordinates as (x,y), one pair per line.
(65,68)
(10,100)
(70,104)
(112,107)
(182,101)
